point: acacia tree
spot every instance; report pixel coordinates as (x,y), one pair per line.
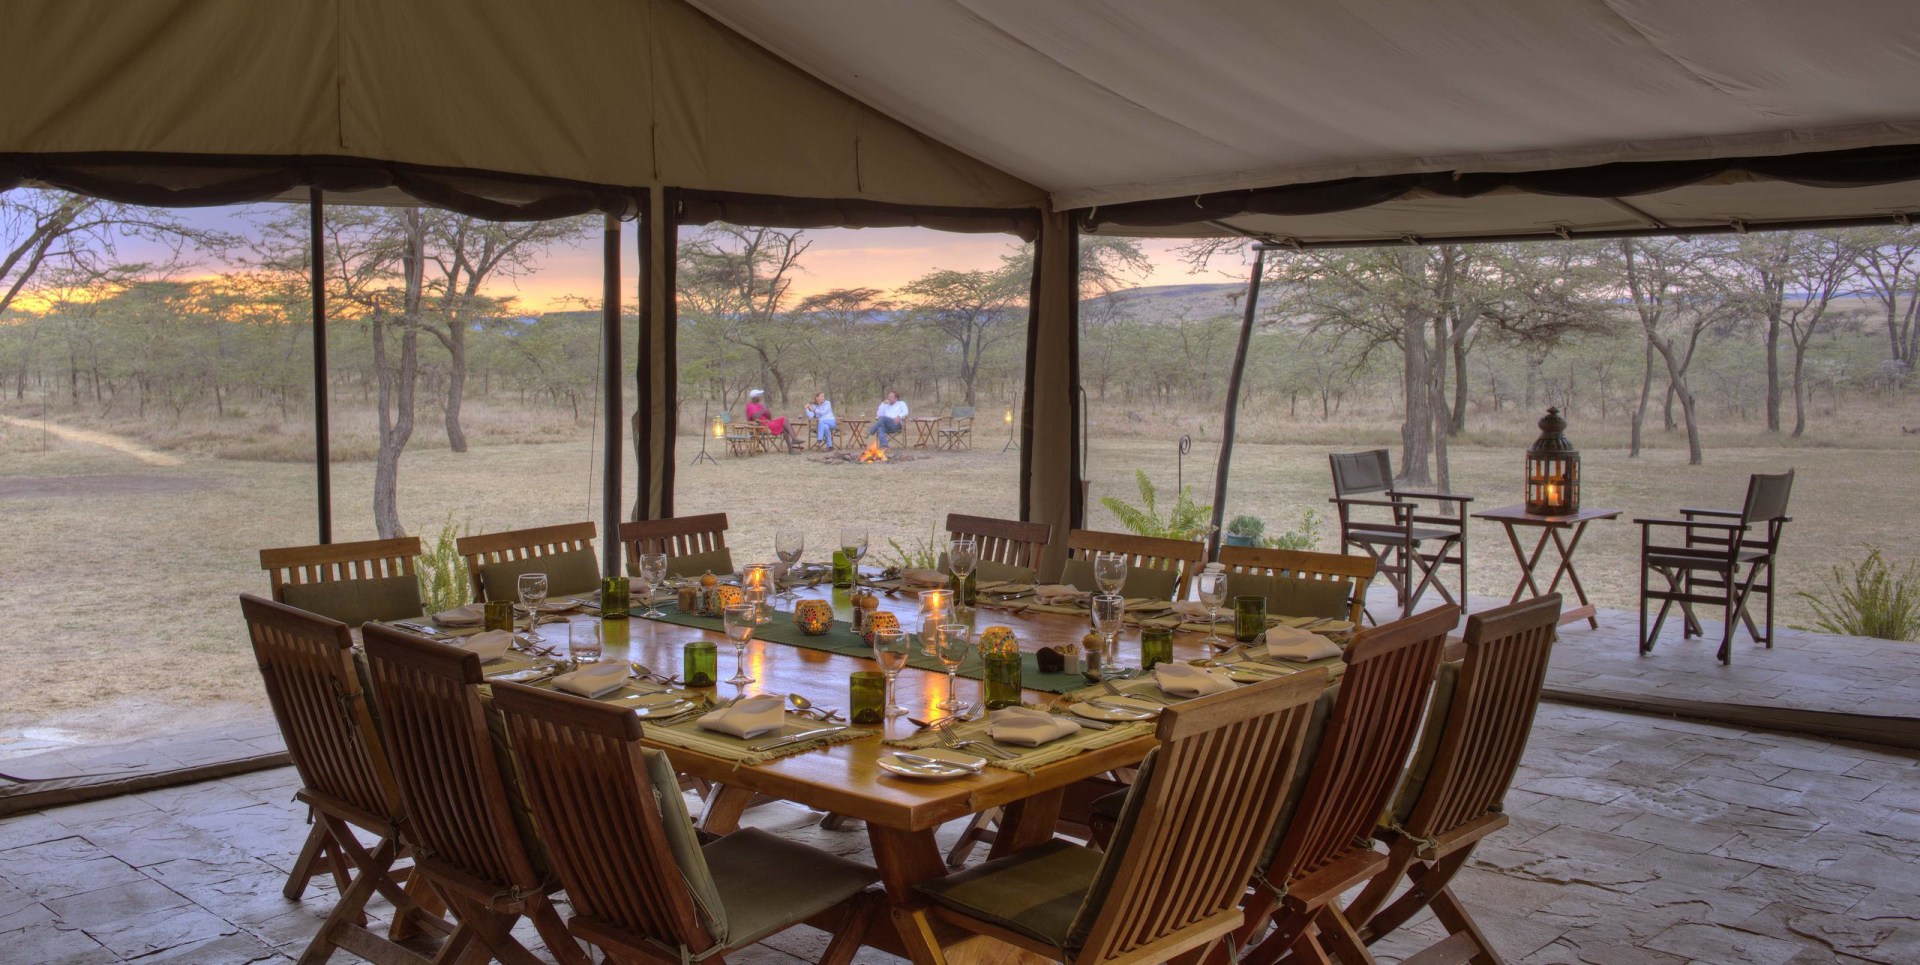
(734,279)
(1677,295)
(973,309)
(1822,268)
(1889,262)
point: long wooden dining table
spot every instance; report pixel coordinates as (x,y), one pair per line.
(901,816)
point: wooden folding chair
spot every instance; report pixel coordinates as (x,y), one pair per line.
(957,433)
(1354,570)
(350,582)
(524,544)
(306,662)
(1450,800)
(1008,541)
(1412,546)
(674,536)
(1325,847)
(643,887)
(1168,886)
(464,833)
(1183,557)
(1708,566)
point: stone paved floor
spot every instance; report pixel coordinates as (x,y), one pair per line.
(1634,840)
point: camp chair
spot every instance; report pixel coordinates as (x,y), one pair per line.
(1412,546)
(740,437)
(1007,541)
(1450,798)
(1315,568)
(1181,557)
(1167,887)
(564,552)
(1707,567)
(350,582)
(692,544)
(1324,847)
(957,433)
(306,662)
(643,887)
(465,834)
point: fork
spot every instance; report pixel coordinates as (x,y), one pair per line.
(952,740)
(1136,694)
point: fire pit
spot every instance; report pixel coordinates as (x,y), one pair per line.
(871,454)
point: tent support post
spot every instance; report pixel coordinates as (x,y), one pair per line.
(612,397)
(317,282)
(1233,401)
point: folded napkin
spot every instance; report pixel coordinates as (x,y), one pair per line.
(1289,643)
(1184,680)
(750,717)
(924,577)
(490,645)
(593,680)
(1028,727)
(469,615)
(1058,593)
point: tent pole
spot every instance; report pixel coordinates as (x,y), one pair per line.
(1233,402)
(612,397)
(317,282)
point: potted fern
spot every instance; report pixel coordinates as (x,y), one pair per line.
(1244,531)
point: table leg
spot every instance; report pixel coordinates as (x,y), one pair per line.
(906,858)
(1027,823)
(724,807)
(1527,563)
(1585,609)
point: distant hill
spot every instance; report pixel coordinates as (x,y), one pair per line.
(1159,302)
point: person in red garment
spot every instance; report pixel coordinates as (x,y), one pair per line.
(758,412)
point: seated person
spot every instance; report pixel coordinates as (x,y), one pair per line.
(758,412)
(820,410)
(889,418)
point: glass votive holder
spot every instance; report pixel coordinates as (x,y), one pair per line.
(583,641)
(867,697)
(498,615)
(614,602)
(1001,668)
(1249,618)
(700,663)
(1156,646)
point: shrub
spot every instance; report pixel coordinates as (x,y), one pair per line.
(1305,538)
(1247,526)
(441,571)
(1869,599)
(1186,520)
(925,554)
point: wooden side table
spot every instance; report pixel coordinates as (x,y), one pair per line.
(1555,528)
(925,425)
(856,431)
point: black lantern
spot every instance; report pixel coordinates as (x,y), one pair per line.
(1553,470)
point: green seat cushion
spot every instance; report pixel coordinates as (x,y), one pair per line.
(354,602)
(1142,581)
(517,799)
(1294,597)
(718,562)
(767,882)
(1414,780)
(571,572)
(991,571)
(1309,752)
(1248,584)
(1035,893)
(684,842)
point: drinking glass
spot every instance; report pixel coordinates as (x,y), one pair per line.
(1249,618)
(583,641)
(962,556)
(1213,592)
(890,650)
(653,570)
(740,626)
(1110,571)
(789,545)
(853,542)
(756,586)
(951,643)
(1109,612)
(533,592)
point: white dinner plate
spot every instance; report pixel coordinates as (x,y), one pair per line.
(1239,674)
(1116,708)
(954,764)
(654,705)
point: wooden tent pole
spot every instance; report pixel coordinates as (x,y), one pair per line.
(1233,402)
(611,384)
(317,282)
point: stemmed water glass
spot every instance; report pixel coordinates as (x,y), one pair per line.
(1110,571)
(962,556)
(739,620)
(853,542)
(533,592)
(653,569)
(1109,613)
(890,650)
(789,545)
(1213,592)
(951,642)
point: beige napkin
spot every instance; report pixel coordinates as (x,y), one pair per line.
(1183,680)
(593,680)
(924,577)
(1289,643)
(1029,727)
(490,645)
(750,717)
(1051,593)
(468,615)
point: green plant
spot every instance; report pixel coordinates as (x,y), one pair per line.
(1871,598)
(1247,526)
(441,571)
(925,554)
(1185,520)
(1306,537)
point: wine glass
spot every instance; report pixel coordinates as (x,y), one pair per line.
(1213,592)
(1109,612)
(789,545)
(1110,572)
(533,592)
(962,556)
(653,569)
(853,542)
(950,645)
(890,651)
(740,626)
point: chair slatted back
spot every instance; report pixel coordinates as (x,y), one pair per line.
(329,562)
(1353,570)
(1491,715)
(595,808)
(1383,696)
(443,760)
(306,662)
(520,544)
(1181,556)
(674,536)
(1008,541)
(1360,473)
(1228,757)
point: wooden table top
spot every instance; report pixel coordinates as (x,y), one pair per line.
(1518,515)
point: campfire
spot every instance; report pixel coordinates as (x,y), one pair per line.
(873,452)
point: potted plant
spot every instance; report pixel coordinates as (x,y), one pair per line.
(1245,531)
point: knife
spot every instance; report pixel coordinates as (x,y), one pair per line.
(795,738)
(934,762)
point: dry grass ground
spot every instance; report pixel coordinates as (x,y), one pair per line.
(117,576)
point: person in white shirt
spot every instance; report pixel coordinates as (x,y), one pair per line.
(821,412)
(889,418)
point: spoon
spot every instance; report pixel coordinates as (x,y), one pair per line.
(805,706)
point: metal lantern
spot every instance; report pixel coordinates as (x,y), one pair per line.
(1553,470)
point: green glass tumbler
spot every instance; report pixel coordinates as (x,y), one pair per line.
(613,598)
(700,663)
(1249,618)
(1156,646)
(867,697)
(499,615)
(842,569)
(1001,664)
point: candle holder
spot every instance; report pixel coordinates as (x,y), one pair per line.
(1000,659)
(1553,470)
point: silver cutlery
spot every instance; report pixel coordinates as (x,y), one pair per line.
(1084,722)
(1140,713)
(956,742)
(796,738)
(1136,694)
(933,762)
